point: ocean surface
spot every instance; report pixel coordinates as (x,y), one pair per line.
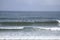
(30,18)
(34,23)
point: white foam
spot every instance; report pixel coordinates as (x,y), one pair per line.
(10,27)
(30,37)
(34,27)
(49,28)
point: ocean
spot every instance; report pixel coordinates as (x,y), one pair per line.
(29,23)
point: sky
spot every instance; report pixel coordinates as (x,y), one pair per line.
(29,5)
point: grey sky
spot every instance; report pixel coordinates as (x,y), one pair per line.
(30,5)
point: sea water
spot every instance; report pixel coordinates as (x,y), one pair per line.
(32,23)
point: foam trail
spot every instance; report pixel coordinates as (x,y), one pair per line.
(33,27)
(47,28)
(10,27)
(31,37)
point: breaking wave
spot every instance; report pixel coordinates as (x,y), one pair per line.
(32,27)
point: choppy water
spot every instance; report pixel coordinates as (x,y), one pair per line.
(31,21)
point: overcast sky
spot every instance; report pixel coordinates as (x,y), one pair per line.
(29,5)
